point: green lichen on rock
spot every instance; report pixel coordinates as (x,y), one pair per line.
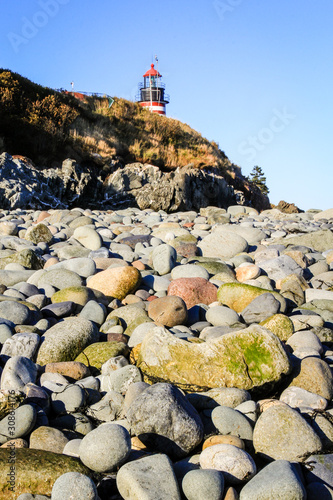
(35,471)
(237,296)
(180,240)
(244,359)
(27,258)
(9,401)
(280,325)
(216,267)
(39,233)
(95,355)
(80,295)
(132,326)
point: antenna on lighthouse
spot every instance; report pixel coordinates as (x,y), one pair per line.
(159,94)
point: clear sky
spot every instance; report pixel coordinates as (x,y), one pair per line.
(253,75)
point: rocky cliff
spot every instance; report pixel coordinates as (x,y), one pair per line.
(23,185)
(118,155)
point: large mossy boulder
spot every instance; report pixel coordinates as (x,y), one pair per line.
(245,359)
(237,296)
(24,470)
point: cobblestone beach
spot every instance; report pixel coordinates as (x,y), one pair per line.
(147,355)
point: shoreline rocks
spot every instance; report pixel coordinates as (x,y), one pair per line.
(138,350)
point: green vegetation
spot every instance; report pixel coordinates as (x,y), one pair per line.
(258,178)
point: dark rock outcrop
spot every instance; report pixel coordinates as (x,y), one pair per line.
(22,185)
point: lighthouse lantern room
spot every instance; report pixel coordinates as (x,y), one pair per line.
(152,92)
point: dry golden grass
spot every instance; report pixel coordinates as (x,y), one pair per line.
(52,123)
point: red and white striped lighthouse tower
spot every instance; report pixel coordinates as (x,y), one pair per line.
(152,92)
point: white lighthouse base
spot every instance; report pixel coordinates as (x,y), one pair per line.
(154,107)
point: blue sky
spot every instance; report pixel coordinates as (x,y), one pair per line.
(253,75)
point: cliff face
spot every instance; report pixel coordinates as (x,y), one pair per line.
(23,185)
(122,154)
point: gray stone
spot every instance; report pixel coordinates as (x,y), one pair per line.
(107,409)
(230,421)
(214,332)
(314,375)
(323,280)
(74,485)
(280,267)
(89,382)
(296,397)
(250,409)
(316,294)
(139,333)
(70,400)
(157,283)
(5,332)
(222,245)
(72,448)
(18,372)
(307,339)
(48,438)
(59,278)
(21,344)
(10,278)
(28,290)
(252,235)
(236,210)
(319,468)
(322,424)
(68,252)
(164,420)
(164,259)
(280,479)
(14,311)
(133,392)
(282,433)
(18,423)
(120,380)
(221,396)
(59,310)
(105,448)
(236,464)
(221,316)
(94,312)
(77,422)
(148,478)
(88,237)
(261,308)
(66,340)
(199,484)
(306,321)
(113,364)
(189,271)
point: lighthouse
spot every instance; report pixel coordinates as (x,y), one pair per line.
(152,94)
